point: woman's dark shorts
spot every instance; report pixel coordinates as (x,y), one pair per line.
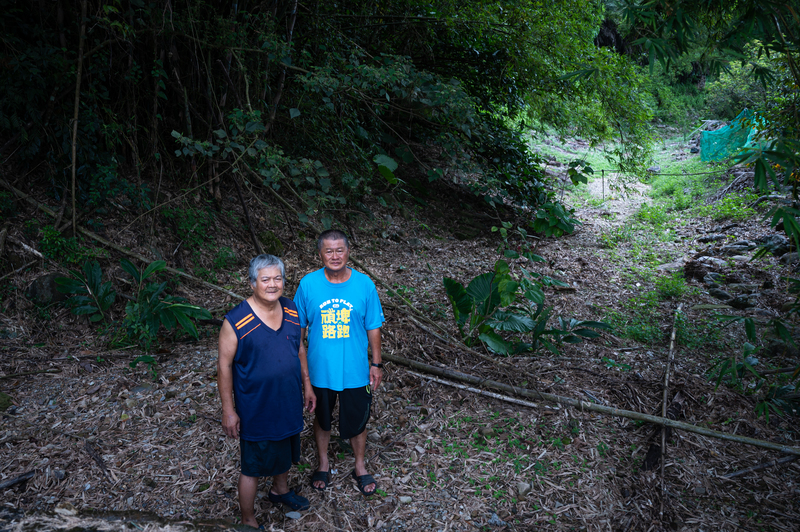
(269,458)
(354,409)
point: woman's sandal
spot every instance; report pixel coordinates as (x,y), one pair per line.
(320,476)
(290,499)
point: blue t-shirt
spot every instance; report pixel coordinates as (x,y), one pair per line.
(338,316)
(267,387)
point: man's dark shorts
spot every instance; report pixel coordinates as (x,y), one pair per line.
(354,409)
(269,458)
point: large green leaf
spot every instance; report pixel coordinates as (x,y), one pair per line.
(480,288)
(462,303)
(508,321)
(496,343)
(153,267)
(132,270)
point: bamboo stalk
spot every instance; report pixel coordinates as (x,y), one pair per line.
(478,391)
(664,404)
(762,466)
(584,405)
(76,114)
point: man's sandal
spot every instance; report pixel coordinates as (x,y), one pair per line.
(320,476)
(290,499)
(363,481)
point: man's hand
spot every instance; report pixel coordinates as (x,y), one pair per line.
(230,424)
(375,377)
(309,398)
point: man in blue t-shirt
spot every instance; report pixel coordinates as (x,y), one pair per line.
(341,314)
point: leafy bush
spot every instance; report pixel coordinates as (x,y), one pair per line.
(152,308)
(653,214)
(496,302)
(90,296)
(60,248)
(145,313)
(671,286)
(733,207)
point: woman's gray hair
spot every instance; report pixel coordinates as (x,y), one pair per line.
(264,261)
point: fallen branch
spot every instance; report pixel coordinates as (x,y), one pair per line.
(25,246)
(584,405)
(762,466)
(52,370)
(16,480)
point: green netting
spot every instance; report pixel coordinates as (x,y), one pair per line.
(729,140)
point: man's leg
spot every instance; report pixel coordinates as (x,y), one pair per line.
(280,484)
(359,444)
(247,499)
(323,438)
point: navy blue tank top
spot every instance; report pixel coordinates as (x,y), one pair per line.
(267,385)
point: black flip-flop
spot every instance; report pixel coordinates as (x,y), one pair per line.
(363,481)
(320,476)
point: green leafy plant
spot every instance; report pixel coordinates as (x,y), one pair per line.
(553,219)
(671,286)
(59,248)
(89,295)
(152,308)
(496,303)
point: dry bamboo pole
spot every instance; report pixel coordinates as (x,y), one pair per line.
(664,404)
(76,115)
(478,391)
(762,466)
(584,405)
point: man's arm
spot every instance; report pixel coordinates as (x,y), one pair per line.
(309,398)
(227,352)
(375,374)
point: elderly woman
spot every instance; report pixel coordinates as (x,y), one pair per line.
(263,384)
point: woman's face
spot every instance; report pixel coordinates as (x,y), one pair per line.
(269,284)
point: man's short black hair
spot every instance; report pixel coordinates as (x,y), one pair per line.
(332,234)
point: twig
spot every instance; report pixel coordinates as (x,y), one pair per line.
(664,404)
(3,234)
(16,480)
(762,466)
(24,246)
(256,244)
(76,114)
(9,274)
(51,370)
(585,405)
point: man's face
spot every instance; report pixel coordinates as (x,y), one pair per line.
(269,284)
(334,255)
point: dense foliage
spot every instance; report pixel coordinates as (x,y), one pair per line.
(341,100)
